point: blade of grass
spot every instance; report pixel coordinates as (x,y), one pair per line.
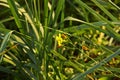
(5,41)
(46,15)
(109,31)
(23,11)
(105,10)
(62,17)
(15,14)
(45,55)
(81,3)
(4,44)
(3,30)
(51,13)
(58,55)
(114,4)
(67,62)
(58,10)
(80,76)
(6,20)
(4,69)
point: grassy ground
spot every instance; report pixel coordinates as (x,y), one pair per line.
(59,40)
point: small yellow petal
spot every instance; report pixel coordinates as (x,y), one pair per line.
(59,38)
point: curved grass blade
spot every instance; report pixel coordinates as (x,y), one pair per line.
(105,10)
(80,76)
(109,30)
(81,3)
(21,10)
(5,41)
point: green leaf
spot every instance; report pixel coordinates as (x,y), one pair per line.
(15,14)
(58,55)
(105,10)
(109,30)
(5,41)
(80,76)
(6,70)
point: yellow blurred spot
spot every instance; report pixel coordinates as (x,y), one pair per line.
(85,48)
(59,38)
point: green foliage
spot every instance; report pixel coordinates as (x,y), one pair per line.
(87,48)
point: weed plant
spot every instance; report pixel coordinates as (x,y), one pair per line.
(59,40)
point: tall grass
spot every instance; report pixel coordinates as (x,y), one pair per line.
(59,40)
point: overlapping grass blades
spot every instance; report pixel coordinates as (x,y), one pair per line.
(30,52)
(80,76)
(5,41)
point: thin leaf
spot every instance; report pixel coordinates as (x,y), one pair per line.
(105,10)
(80,76)
(5,41)
(58,55)
(109,31)
(15,14)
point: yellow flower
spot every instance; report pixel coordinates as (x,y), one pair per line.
(60,40)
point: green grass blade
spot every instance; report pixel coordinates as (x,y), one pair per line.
(21,10)
(3,30)
(6,20)
(105,10)
(58,9)
(67,62)
(58,55)
(46,15)
(74,65)
(3,69)
(109,31)
(15,14)
(5,41)
(100,17)
(80,76)
(62,17)
(114,4)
